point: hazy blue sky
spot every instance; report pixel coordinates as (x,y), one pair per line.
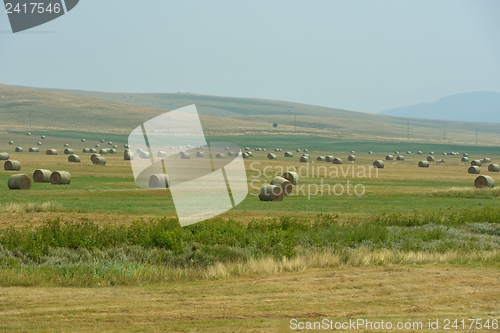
(356,55)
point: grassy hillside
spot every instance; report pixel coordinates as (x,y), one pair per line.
(221,116)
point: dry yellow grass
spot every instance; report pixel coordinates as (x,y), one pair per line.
(261,304)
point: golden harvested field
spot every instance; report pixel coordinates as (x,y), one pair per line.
(407,294)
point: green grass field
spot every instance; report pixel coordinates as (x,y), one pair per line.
(351,241)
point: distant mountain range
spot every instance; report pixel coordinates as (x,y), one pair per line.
(481,106)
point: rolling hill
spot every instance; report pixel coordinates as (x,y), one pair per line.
(96,112)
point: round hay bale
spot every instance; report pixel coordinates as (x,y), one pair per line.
(337,160)
(126,146)
(86,150)
(306,150)
(304,159)
(271,193)
(42,176)
(276,149)
(431,153)
(445,154)
(476,163)
(115,146)
(220,155)
(93,150)
(400,158)
(484,181)
(74,158)
(97,145)
(283,183)
(161,153)
(423,164)
(19,149)
(247,148)
(494,168)
(272,156)
(306,155)
(329,158)
(185,156)
(321,158)
(110,143)
(19,182)
(440,161)
(232,153)
(145,155)
(474,170)
(11,142)
(60,178)
(408,152)
(42,137)
(389,158)
(465,155)
(420,152)
(202,154)
(298,150)
(103,151)
(51,152)
(288,154)
(34,150)
(159,181)
(12,165)
(4,156)
(245,155)
(396,152)
(112,151)
(139,150)
(28,133)
(351,158)
(486,160)
(102,140)
(83,140)
(68,151)
(38,143)
(378,164)
(226,148)
(370,152)
(128,155)
(66,145)
(465,159)
(430,158)
(292,177)
(94,156)
(250,154)
(99,160)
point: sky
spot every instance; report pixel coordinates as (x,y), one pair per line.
(356,55)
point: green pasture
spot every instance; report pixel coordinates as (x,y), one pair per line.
(400,187)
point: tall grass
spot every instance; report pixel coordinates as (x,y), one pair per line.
(32,207)
(86,254)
